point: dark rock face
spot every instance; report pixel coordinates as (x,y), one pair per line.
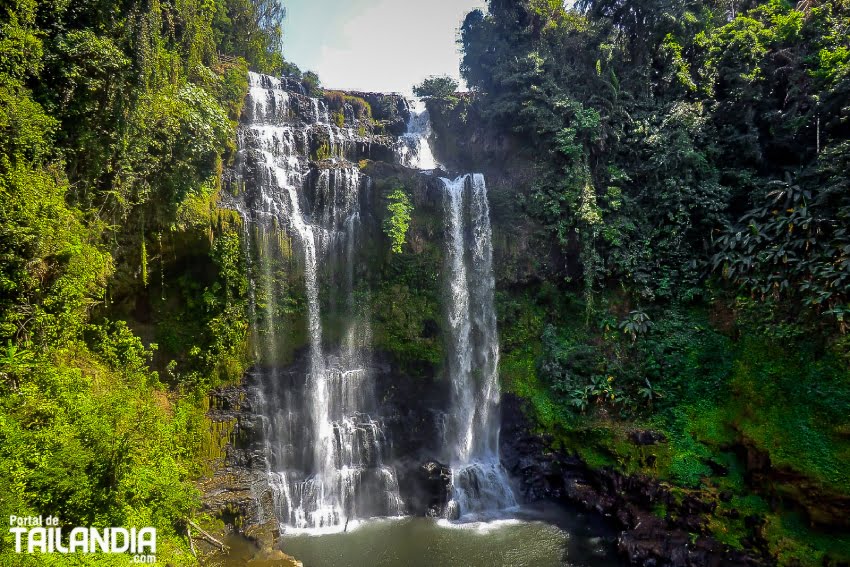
(464,140)
(235,492)
(627,501)
(647,437)
(426,487)
(413,422)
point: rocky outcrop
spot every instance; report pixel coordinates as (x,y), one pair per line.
(678,539)
(391,110)
(464,140)
(426,487)
(237,492)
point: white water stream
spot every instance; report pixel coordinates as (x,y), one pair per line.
(479,482)
(324,449)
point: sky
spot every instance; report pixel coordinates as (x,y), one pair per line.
(375,45)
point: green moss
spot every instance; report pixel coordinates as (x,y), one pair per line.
(787,402)
(406,308)
(595,456)
(793,543)
(660,510)
(518,378)
(520,348)
(728,522)
(403,313)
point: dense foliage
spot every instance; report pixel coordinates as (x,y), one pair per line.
(115,119)
(691,162)
(672,135)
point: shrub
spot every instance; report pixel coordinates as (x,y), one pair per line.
(442,87)
(398,223)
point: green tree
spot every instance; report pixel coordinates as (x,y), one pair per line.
(442,87)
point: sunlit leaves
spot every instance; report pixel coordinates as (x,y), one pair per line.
(20,42)
(398,222)
(51,272)
(175,141)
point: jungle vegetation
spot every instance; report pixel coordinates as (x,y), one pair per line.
(691,165)
(115,119)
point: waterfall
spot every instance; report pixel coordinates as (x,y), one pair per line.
(324,457)
(414,148)
(324,446)
(479,482)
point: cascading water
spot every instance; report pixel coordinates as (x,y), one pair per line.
(414,149)
(324,447)
(479,482)
(310,445)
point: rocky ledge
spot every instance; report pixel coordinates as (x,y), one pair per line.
(678,539)
(237,495)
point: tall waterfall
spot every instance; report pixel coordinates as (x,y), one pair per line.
(304,201)
(479,482)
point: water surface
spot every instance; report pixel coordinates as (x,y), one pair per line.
(540,537)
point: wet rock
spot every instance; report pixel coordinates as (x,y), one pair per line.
(275,557)
(652,542)
(647,437)
(436,482)
(236,492)
(264,535)
(627,501)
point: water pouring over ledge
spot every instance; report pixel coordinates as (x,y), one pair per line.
(479,482)
(323,443)
(415,149)
(307,205)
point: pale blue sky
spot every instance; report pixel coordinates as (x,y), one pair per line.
(376,45)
